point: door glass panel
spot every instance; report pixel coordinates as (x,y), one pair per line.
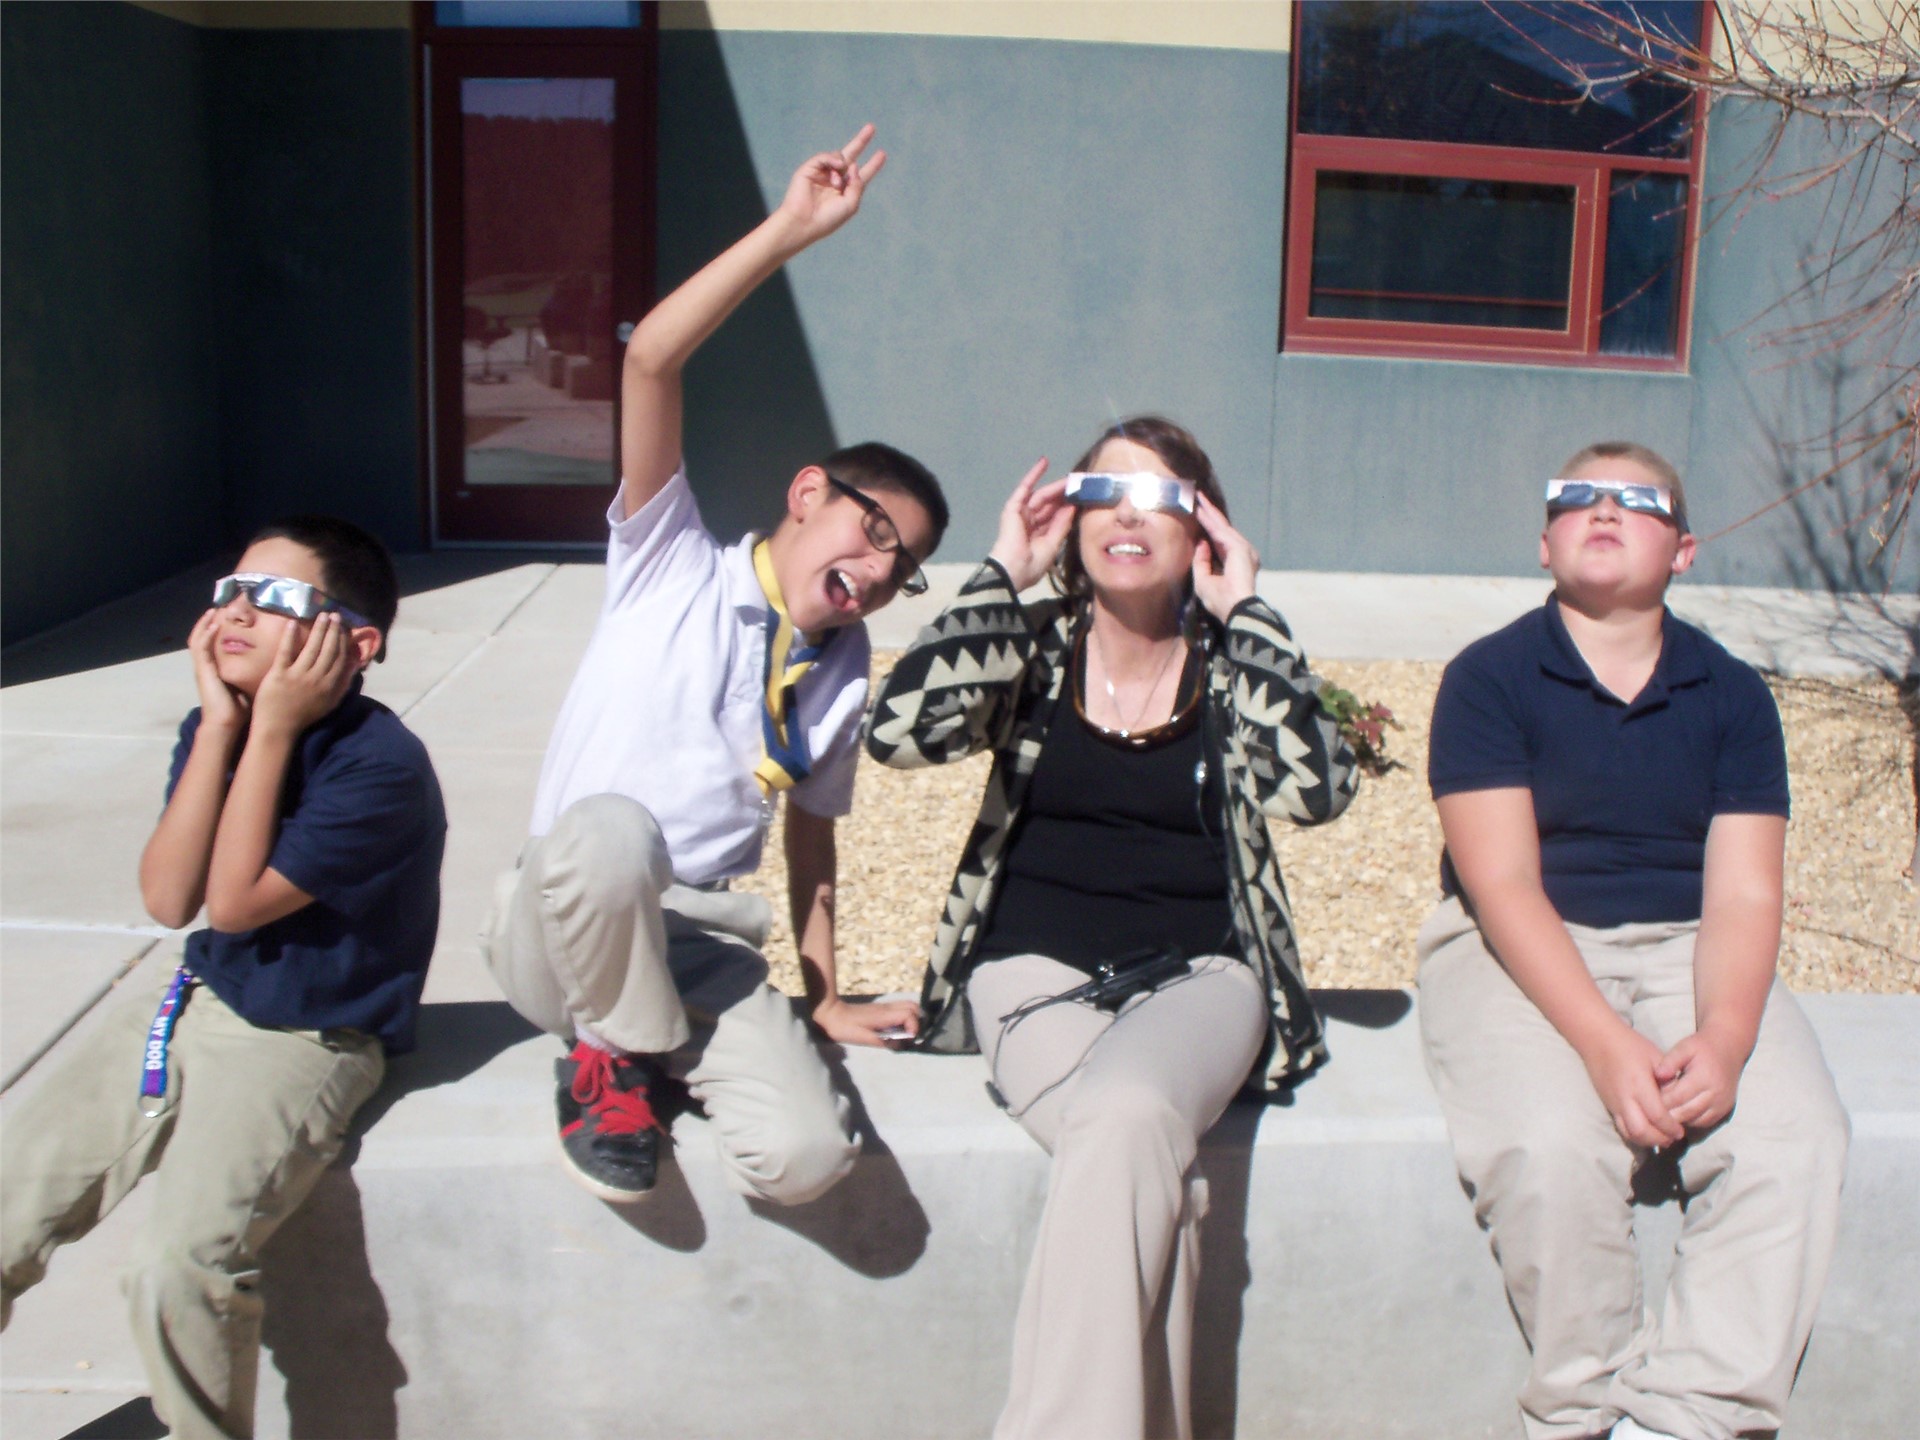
(538,354)
(1440,251)
(539,14)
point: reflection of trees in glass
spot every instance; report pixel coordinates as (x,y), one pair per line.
(1449,251)
(1852,71)
(1461,72)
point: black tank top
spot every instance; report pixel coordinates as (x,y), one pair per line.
(1119,848)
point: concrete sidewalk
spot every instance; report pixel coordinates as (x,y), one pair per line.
(482,655)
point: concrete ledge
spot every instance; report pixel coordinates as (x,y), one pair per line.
(450,1281)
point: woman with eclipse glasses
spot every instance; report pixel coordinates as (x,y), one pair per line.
(1117,941)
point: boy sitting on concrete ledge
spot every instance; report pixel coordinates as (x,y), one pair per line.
(717,678)
(1598,1000)
(309,821)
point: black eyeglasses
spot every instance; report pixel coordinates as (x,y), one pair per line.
(884,536)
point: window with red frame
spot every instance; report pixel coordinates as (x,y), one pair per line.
(1492,181)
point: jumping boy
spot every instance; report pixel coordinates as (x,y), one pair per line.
(717,678)
(308,820)
(1597,993)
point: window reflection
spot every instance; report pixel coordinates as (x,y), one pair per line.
(1424,249)
(1460,72)
(539,355)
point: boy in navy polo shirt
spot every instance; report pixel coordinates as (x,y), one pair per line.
(308,820)
(1597,991)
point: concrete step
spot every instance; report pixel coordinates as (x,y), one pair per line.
(448,1280)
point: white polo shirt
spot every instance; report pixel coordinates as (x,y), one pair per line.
(666,705)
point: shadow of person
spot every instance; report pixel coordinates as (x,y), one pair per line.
(455,1038)
(670,1216)
(1368,1009)
(134,1420)
(1226,1159)
(871,1222)
(326,1318)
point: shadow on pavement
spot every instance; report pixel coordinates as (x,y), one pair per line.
(326,1318)
(157,620)
(134,1420)
(871,1222)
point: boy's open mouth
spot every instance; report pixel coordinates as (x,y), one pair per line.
(843,591)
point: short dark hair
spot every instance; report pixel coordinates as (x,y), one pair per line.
(1177,449)
(872,465)
(1648,459)
(355,568)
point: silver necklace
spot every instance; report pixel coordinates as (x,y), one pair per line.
(1106,675)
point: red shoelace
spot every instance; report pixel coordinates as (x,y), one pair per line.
(617,1111)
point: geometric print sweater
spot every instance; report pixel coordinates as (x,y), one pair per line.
(985,676)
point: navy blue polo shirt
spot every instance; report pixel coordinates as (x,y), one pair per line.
(1622,793)
(362,829)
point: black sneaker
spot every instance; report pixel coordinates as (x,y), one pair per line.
(608,1134)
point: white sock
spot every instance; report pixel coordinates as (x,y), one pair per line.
(593,1042)
(1629,1428)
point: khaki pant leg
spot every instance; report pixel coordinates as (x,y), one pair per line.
(577,937)
(782,1128)
(1760,1226)
(1124,1102)
(257,1117)
(76,1145)
(1551,1181)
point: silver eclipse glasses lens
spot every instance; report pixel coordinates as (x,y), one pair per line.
(1585,494)
(1146,491)
(279,595)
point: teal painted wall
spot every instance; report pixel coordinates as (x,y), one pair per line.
(1064,233)
(209,305)
(1072,231)
(109,447)
(313,243)
(207,299)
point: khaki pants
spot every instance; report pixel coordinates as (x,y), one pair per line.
(1552,1184)
(1103,1344)
(255,1116)
(591,932)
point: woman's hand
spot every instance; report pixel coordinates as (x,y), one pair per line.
(825,191)
(306,680)
(221,706)
(1033,527)
(1239,562)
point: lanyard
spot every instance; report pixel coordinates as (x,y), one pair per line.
(789,656)
(153,1069)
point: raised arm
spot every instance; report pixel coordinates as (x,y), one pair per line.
(823,195)
(173,867)
(308,679)
(1306,772)
(951,693)
(1494,843)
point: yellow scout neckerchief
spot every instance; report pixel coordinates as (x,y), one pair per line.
(789,657)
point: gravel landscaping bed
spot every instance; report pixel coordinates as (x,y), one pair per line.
(1361,885)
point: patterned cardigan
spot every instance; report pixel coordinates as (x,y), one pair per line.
(986,674)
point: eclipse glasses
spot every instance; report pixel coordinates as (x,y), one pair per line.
(279,595)
(1585,494)
(1096,490)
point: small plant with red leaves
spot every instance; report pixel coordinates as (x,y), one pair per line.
(1363,725)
